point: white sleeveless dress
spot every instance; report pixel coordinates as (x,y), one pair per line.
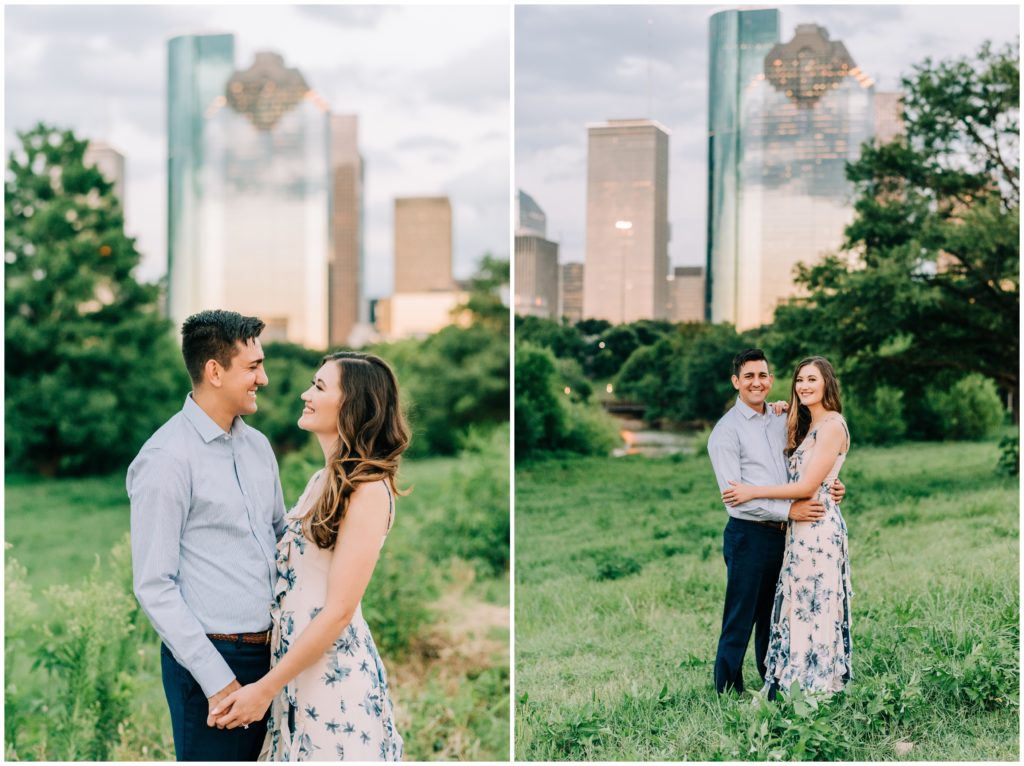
(338,709)
(810,633)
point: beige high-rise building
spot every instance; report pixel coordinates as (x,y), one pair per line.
(536,276)
(626,276)
(686,294)
(570,299)
(423,245)
(345,267)
(109,162)
(888,116)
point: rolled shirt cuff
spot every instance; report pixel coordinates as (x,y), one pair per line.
(212,672)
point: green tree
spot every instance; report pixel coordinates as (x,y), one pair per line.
(932,289)
(485,287)
(565,341)
(91,367)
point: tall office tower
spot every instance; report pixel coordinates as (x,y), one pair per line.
(626,278)
(536,276)
(888,115)
(686,294)
(784,119)
(248,190)
(346,266)
(110,163)
(530,219)
(570,299)
(423,245)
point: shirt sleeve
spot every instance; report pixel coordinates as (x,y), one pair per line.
(160,493)
(279,509)
(724,451)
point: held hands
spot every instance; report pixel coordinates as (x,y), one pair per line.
(739,493)
(243,706)
(780,407)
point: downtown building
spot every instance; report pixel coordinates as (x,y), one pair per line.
(425,293)
(570,292)
(536,262)
(627,233)
(784,119)
(262,219)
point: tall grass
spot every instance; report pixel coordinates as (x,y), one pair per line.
(619,594)
(82,663)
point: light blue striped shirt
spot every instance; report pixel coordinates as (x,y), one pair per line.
(206,512)
(748,447)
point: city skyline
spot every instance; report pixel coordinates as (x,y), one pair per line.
(432,102)
(615,64)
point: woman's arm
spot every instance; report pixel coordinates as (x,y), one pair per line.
(352,563)
(830,440)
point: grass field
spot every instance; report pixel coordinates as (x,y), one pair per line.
(619,590)
(451,685)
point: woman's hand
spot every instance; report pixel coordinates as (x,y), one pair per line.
(242,707)
(780,407)
(737,495)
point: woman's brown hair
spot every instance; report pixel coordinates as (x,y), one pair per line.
(799,420)
(372,434)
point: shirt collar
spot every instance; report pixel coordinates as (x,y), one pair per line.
(747,411)
(204,424)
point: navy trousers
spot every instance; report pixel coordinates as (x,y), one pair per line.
(193,739)
(753,559)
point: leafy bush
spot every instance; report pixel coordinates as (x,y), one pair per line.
(970,409)
(1009,455)
(476,525)
(549,421)
(876,418)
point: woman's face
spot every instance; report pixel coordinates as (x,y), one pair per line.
(322,400)
(810,385)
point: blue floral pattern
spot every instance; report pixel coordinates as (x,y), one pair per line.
(339,707)
(810,635)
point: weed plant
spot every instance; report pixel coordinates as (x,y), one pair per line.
(620,667)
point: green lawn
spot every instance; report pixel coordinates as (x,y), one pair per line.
(619,591)
(450,684)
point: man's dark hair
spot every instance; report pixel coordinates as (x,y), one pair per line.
(747,355)
(213,335)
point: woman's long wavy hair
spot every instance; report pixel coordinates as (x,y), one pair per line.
(799,420)
(372,434)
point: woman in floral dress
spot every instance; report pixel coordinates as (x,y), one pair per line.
(326,689)
(810,635)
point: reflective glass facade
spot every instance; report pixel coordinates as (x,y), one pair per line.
(248,225)
(784,120)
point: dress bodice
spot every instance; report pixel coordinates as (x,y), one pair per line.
(802,454)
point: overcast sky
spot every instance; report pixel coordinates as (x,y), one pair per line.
(430,86)
(580,64)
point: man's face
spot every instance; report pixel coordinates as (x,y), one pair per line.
(754,382)
(240,381)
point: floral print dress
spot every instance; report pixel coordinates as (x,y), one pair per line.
(338,708)
(810,634)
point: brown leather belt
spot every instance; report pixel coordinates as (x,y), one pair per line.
(263,637)
(779,525)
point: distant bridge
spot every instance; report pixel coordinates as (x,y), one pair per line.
(624,407)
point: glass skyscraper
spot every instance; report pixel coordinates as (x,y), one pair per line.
(784,118)
(248,190)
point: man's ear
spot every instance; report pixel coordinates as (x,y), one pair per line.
(735,382)
(213,373)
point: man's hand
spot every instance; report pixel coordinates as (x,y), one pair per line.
(838,491)
(243,706)
(216,698)
(806,510)
(780,407)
